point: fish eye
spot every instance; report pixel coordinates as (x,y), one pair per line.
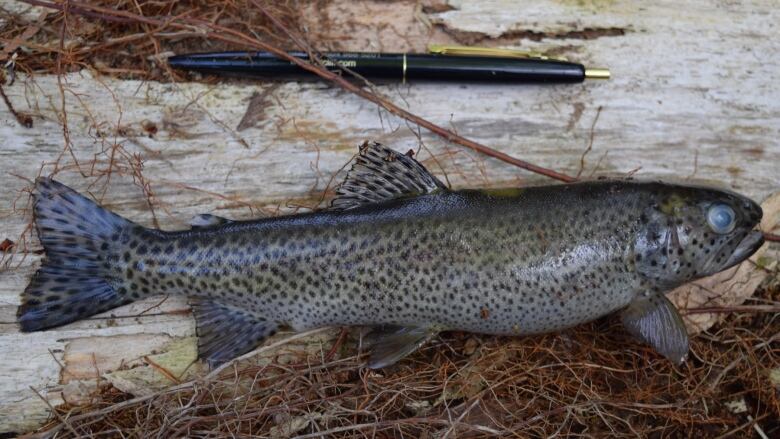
(721,218)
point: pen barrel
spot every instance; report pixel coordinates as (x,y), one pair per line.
(388,66)
(492,69)
(267,65)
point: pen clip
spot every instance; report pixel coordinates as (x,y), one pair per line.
(488,51)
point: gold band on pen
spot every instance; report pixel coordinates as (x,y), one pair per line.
(403,77)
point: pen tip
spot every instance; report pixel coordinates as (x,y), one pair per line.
(597,73)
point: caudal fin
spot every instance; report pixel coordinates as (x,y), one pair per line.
(75,279)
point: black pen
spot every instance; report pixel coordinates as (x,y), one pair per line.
(443,63)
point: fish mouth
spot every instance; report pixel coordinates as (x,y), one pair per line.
(749,244)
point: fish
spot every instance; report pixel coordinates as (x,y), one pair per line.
(400,253)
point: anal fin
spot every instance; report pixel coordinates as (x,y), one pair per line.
(225,332)
(389,343)
(655,320)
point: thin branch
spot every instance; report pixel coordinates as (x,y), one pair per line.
(24,120)
(590,142)
(730,309)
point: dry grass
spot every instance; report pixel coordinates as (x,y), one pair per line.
(79,37)
(590,381)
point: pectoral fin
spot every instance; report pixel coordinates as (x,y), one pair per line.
(656,321)
(388,344)
(225,332)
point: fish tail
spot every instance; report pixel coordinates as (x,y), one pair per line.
(75,279)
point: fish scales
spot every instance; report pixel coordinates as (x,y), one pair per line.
(465,260)
(401,253)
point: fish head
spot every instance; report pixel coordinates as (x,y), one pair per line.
(689,232)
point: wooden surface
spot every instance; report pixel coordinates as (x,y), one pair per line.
(693,95)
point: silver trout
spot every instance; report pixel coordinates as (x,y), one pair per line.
(401,253)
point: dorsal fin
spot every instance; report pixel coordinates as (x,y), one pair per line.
(381,174)
(208,220)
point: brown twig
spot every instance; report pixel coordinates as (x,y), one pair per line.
(63,421)
(337,344)
(730,309)
(24,120)
(590,142)
(168,374)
